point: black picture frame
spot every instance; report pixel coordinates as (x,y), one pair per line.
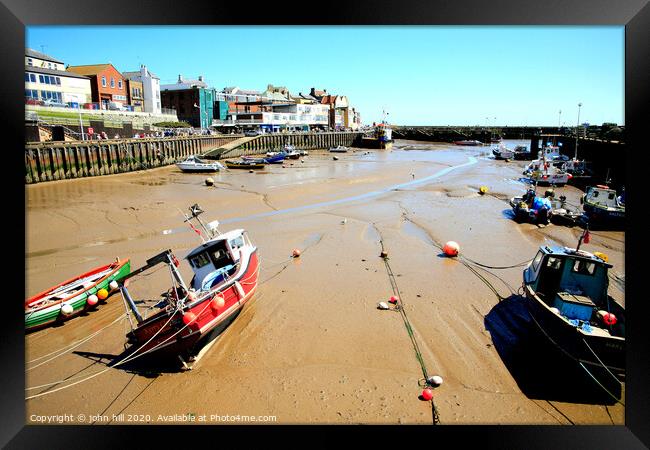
(633,14)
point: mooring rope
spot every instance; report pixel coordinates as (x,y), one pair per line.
(71,346)
(409,329)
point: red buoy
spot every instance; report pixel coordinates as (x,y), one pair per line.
(296,253)
(393,299)
(427,394)
(217,303)
(189,317)
(451,248)
(610,319)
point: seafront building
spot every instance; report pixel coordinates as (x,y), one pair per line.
(193,101)
(150,89)
(46,80)
(107,84)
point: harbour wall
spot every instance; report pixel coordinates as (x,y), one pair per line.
(50,161)
(59,160)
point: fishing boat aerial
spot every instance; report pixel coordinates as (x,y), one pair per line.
(71,297)
(543,172)
(195,164)
(522,153)
(503,152)
(603,206)
(225,271)
(543,210)
(291,152)
(566,293)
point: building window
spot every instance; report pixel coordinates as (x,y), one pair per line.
(58,81)
(103,81)
(119,84)
(30,62)
(27,77)
(112,82)
(49,65)
(32,78)
(41,79)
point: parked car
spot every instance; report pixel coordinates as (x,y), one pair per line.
(251,133)
(54,103)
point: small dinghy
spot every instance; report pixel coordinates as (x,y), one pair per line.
(67,299)
(339,149)
(244,164)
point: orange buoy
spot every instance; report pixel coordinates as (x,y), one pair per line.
(427,394)
(451,248)
(217,303)
(92,300)
(102,294)
(393,299)
(189,317)
(296,253)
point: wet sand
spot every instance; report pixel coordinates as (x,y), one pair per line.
(312,347)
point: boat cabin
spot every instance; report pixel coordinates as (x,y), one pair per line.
(602,196)
(216,260)
(573,282)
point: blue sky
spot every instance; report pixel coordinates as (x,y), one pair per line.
(421,75)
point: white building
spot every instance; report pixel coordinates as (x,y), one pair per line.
(47,80)
(284,116)
(150,88)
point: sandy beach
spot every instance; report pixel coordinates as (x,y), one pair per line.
(312,347)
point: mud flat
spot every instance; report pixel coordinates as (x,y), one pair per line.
(312,347)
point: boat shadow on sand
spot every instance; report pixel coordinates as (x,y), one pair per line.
(540,370)
(139,366)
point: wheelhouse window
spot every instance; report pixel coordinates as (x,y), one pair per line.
(237,243)
(200,260)
(537,259)
(553,262)
(584,267)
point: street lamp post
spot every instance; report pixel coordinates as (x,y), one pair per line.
(559,119)
(575,156)
(81,125)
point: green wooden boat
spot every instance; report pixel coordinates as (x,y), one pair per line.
(69,298)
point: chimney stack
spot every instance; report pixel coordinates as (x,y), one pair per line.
(180,78)
(200,77)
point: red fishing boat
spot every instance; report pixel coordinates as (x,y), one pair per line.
(226,273)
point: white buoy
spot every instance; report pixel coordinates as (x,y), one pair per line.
(66,309)
(435,380)
(382,305)
(555,310)
(344,221)
(209,182)
(113,285)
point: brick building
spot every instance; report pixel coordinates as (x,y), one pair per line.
(108,86)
